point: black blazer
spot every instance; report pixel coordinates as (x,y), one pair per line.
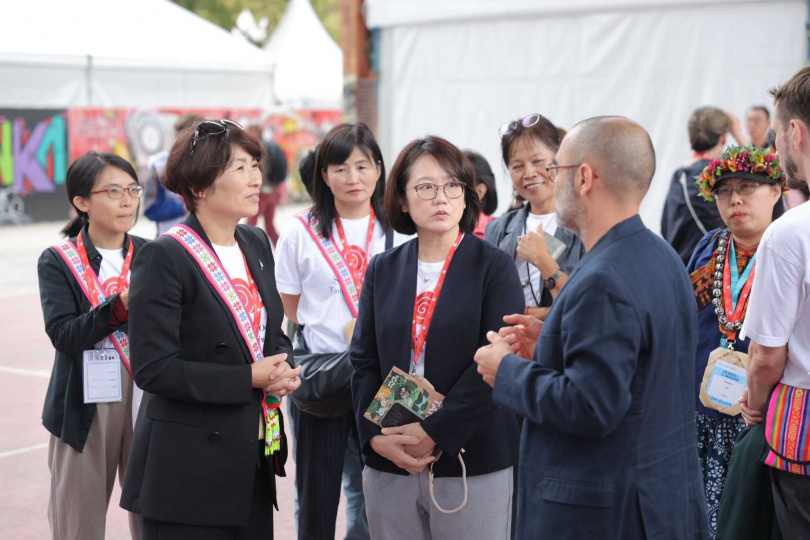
(481,287)
(73,327)
(194,451)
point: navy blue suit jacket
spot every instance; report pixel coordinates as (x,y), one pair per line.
(481,286)
(609,448)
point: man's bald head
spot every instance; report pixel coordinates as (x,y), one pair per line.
(619,150)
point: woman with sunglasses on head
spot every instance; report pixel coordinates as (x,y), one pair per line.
(84,289)
(528,147)
(746,184)
(208,350)
(426,307)
(322,260)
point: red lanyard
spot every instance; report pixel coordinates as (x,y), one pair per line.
(95,293)
(344,250)
(735,315)
(418,341)
(254,294)
(700,155)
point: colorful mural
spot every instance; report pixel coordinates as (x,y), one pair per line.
(36,147)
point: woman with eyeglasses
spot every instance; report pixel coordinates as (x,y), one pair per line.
(746,184)
(543,261)
(322,260)
(84,289)
(426,307)
(208,350)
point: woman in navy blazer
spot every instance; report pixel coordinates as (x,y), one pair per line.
(431,192)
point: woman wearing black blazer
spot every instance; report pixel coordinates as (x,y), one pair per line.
(205,447)
(462,287)
(89,441)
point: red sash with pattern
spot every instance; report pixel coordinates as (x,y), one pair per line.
(787,429)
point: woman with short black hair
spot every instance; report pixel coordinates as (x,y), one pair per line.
(208,350)
(425,308)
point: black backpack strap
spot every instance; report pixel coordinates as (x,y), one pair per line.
(389,239)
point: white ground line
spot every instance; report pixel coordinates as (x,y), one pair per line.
(41,373)
(24,450)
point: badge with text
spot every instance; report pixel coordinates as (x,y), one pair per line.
(102,376)
(724,381)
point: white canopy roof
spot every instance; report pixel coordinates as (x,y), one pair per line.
(144,53)
(308,64)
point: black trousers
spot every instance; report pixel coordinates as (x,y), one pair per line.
(791,501)
(320,447)
(261,516)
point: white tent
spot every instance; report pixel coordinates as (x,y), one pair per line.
(125,53)
(307,63)
(461,68)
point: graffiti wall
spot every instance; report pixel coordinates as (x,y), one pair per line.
(37,146)
(33,164)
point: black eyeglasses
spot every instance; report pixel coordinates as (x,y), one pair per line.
(551,170)
(212,127)
(136,192)
(527,122)
(428,192)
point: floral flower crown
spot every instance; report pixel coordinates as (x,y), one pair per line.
(741,162)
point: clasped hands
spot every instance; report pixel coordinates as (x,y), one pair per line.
(408,447)
(520,339)
(751,416)
(275,376)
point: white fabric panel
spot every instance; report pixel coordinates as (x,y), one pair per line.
(387,13)
(463,79)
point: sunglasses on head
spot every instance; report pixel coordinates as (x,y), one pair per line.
(212,127)
(527,122)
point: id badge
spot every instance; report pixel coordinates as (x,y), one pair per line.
(102,376)
(724,381)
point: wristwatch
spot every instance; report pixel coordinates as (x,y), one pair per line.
(550,282)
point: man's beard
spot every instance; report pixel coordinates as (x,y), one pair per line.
(795,180)
(568,208)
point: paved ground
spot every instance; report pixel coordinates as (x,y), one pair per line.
(26,357)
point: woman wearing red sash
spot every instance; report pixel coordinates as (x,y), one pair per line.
(322,260)
(84,288)
(746,184)
(426,307)
(208,350)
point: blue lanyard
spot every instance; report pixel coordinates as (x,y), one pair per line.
(738,281)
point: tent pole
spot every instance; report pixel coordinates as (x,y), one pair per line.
(89,79)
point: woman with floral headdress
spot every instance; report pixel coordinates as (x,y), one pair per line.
(746,183)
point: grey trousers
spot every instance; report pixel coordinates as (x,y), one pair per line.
(82,482)
(400,508)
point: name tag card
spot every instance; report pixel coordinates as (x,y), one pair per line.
(102,376)
(724,381)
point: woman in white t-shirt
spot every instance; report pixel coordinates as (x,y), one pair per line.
(84,288)
(322,258)
(528,146)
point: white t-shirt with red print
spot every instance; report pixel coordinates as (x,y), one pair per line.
(112,261)
(234,263)
(427,277)
(302,270)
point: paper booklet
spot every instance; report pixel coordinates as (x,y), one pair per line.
(403,399)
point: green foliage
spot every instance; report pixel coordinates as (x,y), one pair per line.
(224,12)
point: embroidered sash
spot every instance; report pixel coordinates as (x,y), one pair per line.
(69,253)
(219,279)
(787,429)
(334,259)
